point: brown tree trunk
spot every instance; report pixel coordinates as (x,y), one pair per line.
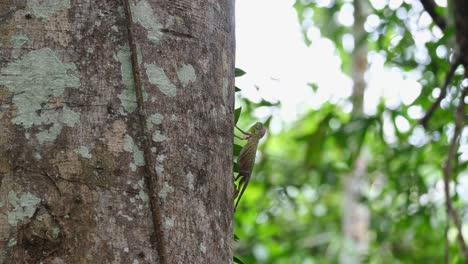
(107,161)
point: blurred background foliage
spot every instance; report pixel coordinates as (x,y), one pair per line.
(292,209)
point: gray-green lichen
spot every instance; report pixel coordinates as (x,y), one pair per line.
(48,135)
(138,156)
(34,80)
(155,119)
(83,152)
(57,119)
(158,136)
(186,74)
(55,232)
(18,41)
(142,195)
(159,164)
(158,77)
(23,207)
(168,222)
(202,248)
(190,179)
(128,96)
(165,190)
(144,14)
(12,242)
(47,8)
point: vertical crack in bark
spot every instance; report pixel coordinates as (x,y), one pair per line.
(151,177)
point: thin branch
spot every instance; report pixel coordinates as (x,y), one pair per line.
(44,172)
(447,170)
(151,176)
(448,78)
(430,7)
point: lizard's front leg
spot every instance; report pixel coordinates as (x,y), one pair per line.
(243,132)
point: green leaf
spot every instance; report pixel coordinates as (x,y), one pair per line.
(239,72)
(235,167)
(237,113)
(236,238)
(267,103)
(237,260)
(314,86)
(341,166)
(237,89)
(237,149)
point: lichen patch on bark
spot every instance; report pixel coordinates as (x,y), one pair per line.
(83,152)
(24,207)
(145,16)
(158,136)
(18,41)
(138,156)
(158,77)
(186,74)
(203,248)
(36,80)
(142,195)
(57,119)
(128,96)
(47,8)
(168,222)
(12,242)
(166,189)
(190,179)
(155,119)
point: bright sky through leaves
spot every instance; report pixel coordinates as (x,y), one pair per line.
(279,65)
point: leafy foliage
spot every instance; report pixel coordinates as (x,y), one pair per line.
(292,211)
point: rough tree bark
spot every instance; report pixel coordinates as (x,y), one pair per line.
(74,173)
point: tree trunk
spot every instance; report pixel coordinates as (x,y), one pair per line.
(356,216)
(116,137)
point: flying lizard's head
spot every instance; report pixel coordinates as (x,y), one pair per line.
(258,130)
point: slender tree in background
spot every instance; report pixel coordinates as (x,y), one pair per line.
(460,58)
(356,214)
(116,123)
